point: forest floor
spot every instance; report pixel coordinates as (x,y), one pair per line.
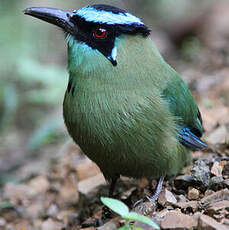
(67,195)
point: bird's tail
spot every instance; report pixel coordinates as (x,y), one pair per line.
(189,139)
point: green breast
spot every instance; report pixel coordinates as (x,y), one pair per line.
(124,132)
(118,115)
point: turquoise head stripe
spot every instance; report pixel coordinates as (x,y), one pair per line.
(91,14)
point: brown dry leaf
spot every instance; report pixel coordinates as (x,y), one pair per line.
(68,193)
(86,169)
(36,209)
(162,213)
(222,194)
(2,222)
(39,183)
(166,198)
(207,223)
(193,205)
(215,208)
(178,220)
(217,169)
(51,225)
(193,193)
(108,226)
(89,185)
(18,192)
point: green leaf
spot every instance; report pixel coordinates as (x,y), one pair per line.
(125,227)
(6,204)
(144,219)
(116,206)
(136,228)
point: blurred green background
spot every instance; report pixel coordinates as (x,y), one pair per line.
(33,74)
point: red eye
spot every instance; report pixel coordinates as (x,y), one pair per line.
(100,33)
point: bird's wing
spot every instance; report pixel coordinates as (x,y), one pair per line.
(183,106)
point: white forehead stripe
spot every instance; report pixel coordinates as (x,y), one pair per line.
(91,14)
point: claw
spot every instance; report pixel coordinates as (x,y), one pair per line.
(138,202)
(154,197)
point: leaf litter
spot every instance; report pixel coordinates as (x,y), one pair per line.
(67,195)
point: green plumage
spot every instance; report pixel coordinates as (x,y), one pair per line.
(126,118)
(128,110)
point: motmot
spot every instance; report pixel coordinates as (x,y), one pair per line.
(129,111)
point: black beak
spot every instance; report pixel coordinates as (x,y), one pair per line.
(60,18)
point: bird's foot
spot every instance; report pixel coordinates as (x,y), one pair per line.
(151,199)
(146,198)
(145,208)
(154,197)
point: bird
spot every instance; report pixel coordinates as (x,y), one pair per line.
(128,110)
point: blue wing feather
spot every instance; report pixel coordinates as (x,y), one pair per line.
(189,139)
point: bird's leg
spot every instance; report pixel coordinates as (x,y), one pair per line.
(106,213)
(154,197)
(113,183)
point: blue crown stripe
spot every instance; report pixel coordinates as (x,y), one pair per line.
(91,14)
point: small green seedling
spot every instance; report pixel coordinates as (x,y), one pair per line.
(120,208)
